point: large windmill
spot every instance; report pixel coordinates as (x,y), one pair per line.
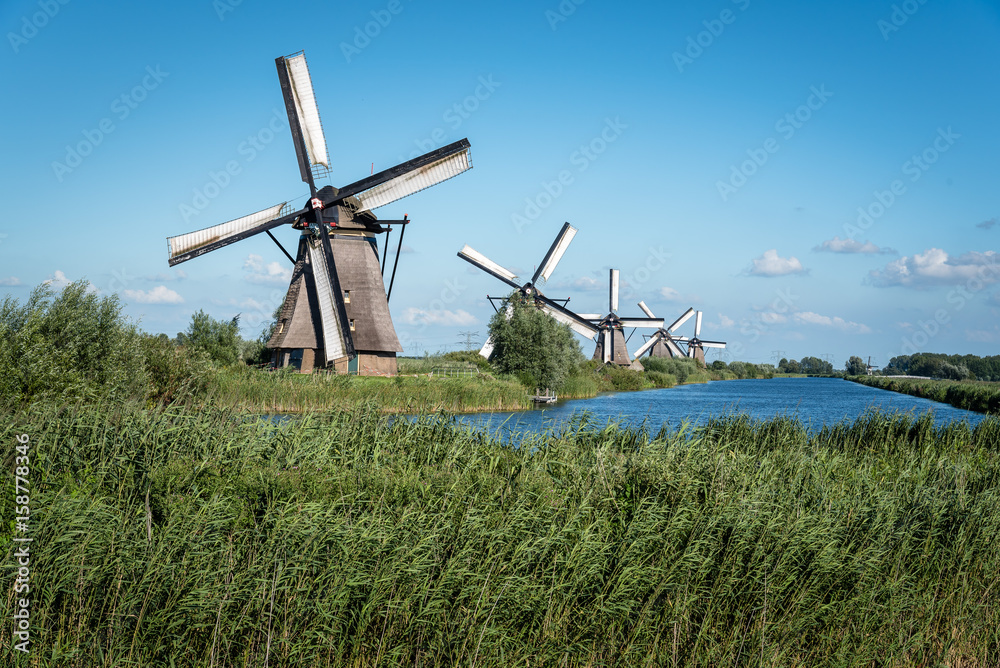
(336,311)
(696,346)
(663,342)
(611,348)
(530,290)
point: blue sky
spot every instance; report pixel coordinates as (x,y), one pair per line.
(818,178)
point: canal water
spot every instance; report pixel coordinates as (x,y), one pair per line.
(814,401)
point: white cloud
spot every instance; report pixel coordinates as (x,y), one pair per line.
(161,294)
(838,245)
(672,295)
(724,322)
(270,273)
(12,281)
(771,264)
(418,316)
(810,318)
(58,280)
(589,283)
(935,267)
(772,318)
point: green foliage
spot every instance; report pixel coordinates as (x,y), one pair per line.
(174,373)
(683,369)
(938,365)
(982,397)
(532,345)
(471,357)
(856,366)
(811,366)
(218,339)
(622,379)
(73,345)
(345,539)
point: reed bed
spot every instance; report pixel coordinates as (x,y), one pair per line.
(178,538)
(978,396)
(281,392)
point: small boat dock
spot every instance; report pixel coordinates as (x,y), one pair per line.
(546,398)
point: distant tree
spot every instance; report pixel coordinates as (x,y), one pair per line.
(718,365)
(532,345)
(218,339)
(856,366)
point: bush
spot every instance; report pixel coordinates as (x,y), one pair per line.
(218,339)
(70,346)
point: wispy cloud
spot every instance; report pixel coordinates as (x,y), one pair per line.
(772,264)
(161,294)
(272,273)
(810,318)
(10,282)
(935,267)
(838,245)
(58,280)
(417,316)
(673,295)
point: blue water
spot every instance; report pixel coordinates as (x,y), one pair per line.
(814,401)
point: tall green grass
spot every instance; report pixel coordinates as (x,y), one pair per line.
(351,539)
(287,392)
(982,397)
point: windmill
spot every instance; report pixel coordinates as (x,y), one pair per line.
(663,342)
(870,367)
(611,342)
(336,310)
(530,290)
(696,346)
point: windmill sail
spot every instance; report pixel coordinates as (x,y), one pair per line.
(556,251)
(184,247)
(337,342)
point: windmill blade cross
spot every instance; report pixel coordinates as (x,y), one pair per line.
(555,253)
(697,325)
(566,317)
(656,323)
(674,348)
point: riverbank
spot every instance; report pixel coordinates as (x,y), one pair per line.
(344,538)
(978,396)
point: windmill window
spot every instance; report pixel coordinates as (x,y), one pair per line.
(347,296)
(352,324)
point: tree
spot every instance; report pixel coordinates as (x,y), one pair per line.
(218,339)
(530,344)
(856,366)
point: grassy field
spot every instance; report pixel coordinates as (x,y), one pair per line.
(982,397)
(212,538)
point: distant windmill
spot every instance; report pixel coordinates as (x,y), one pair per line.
(663,342)
(611,348)
(336,311)
(696,346)
(530,290)
(869,367)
